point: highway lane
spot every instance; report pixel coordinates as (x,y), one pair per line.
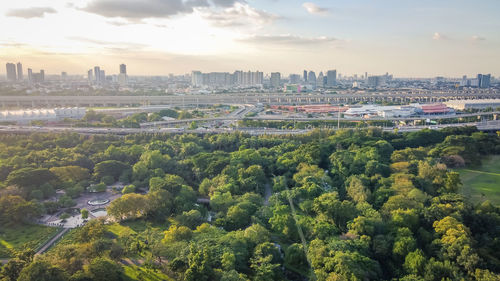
(306,119)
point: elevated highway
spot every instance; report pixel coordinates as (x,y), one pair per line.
(241,98)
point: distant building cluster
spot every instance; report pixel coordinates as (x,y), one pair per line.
(226,79)
(15,74)
(481,81)
(55,114)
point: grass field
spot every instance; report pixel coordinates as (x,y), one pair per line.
(482,183)
(17,237)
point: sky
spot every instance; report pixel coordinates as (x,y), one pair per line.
(409,38)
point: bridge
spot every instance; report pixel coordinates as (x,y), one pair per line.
(242,98)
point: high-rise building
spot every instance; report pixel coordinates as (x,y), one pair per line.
(20,75)
(122,77)
(196,78)
(311,78)
(374,81)
(305,76)
(123,69)
(97,74)
(331,78)
(319,81)
(484,80)
(90,76)
(275,80)
(64,75)
(11,72)
(42,75)
(102,76)
(30,75)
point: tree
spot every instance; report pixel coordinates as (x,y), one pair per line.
(128,189)
(452,182)
(103,269)
(41,270)
(111,168)
(129,206)
(200,266)
(71,173)
(85,213)
(415,262)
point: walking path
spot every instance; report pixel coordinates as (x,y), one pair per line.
(54,239)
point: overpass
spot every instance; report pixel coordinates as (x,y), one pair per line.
(241,98)
(491,126)
(312,119)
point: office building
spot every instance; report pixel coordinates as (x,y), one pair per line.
(64,75)
(305,76)
(11,72)
(20,75)
(42,75)
(275,80)
(331,78)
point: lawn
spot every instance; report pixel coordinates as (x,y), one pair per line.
(482,183)
(15,238)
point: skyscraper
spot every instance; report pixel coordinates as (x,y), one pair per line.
(319,81)
(311,78)
(90,76)
(97,74)
(331,78)
(484,80)
(305,75)
(196,78)
(30,75)
(123,69)
(275,80)
(42,75)
(122,77)
(20,75)
(11,72)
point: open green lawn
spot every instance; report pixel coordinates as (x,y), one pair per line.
(14,238)
(482,183)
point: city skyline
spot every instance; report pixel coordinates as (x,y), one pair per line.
(410,39)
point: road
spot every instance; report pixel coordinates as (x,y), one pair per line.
(483,126)
(238,117)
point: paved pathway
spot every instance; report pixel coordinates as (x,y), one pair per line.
(51,242)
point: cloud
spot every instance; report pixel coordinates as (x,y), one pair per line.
(141,9)
(312,8)
(477,38)
(226,3)
(238,15)
(288,40)
(33,12)
(109,44)
(439,36)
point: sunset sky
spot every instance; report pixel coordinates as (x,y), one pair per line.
(423,38)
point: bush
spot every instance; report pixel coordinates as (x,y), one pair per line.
(128,189)
(108,180)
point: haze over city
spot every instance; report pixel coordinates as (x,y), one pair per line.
(153,37)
